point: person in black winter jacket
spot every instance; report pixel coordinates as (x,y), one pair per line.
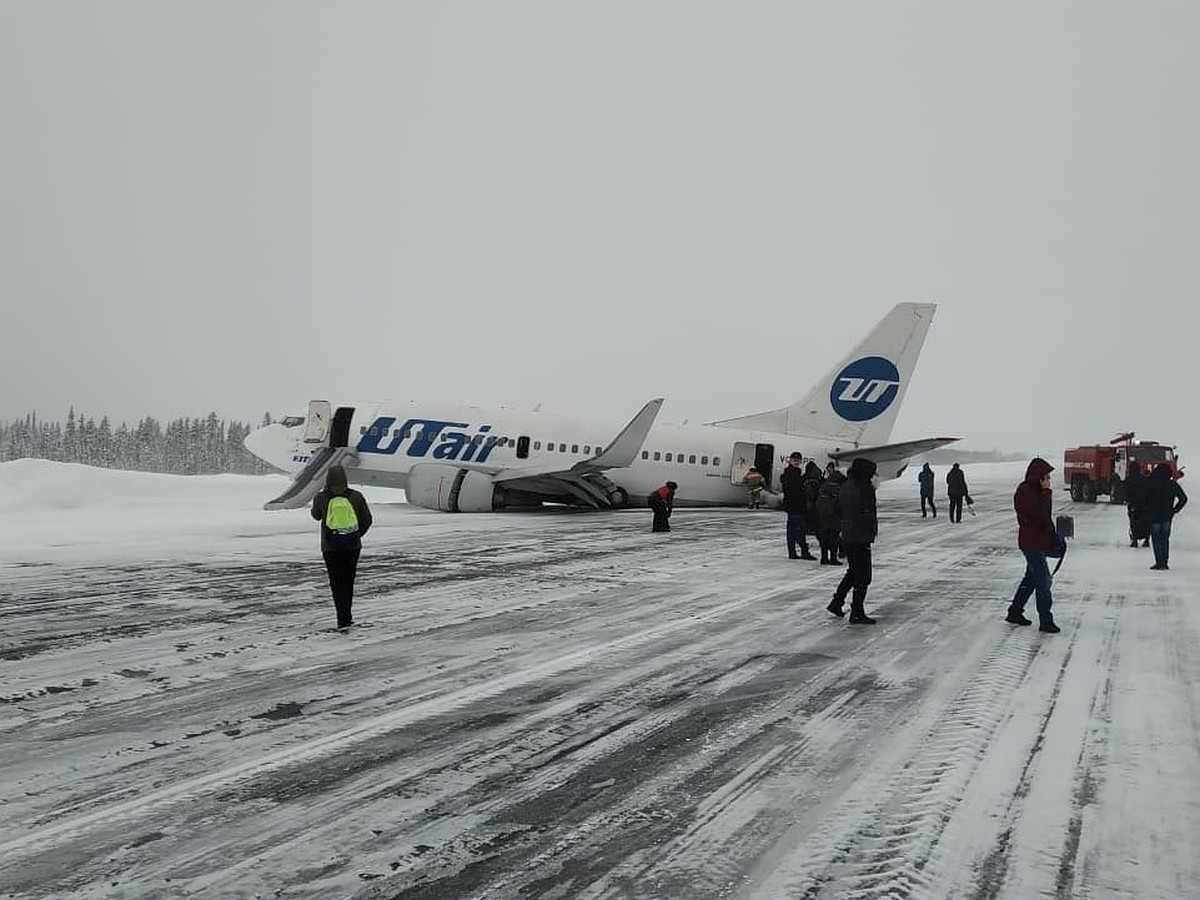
(860,526)
(829,517)
(796,505)
(1135,488)
(1162,499)
(956,491)
(345,519)
(925,479)
(812,487)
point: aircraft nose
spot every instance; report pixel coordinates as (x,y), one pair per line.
(270,444)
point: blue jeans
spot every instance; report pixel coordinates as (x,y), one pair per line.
(797,533)
(1160,540)
(1036,580)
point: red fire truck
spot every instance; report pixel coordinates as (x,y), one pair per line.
(1102,468)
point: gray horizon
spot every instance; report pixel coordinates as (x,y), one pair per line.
(238,208)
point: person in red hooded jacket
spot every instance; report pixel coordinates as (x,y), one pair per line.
(1033,502)
(662,502)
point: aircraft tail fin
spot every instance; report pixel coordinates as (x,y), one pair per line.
(857,401)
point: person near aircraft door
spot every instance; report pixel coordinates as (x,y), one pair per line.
(1135,504)
(345,519)
(755,483)
(956,492)
(812,487)
(925,479)
(860,527)
(662,502)
(1033,502)
(1163,498)
(829,519)
(795,505)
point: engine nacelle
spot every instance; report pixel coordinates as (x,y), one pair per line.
(451,489)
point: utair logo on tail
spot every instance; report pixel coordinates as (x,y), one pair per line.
(865,388)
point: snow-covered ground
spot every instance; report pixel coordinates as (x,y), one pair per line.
(563,705)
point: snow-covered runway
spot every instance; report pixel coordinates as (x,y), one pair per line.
(567,706)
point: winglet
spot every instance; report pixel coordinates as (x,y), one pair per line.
(625,446)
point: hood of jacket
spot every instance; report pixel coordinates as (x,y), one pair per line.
(335,479)
(1162,471)
(862,469)
(1037,468)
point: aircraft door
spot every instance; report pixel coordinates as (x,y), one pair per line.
(743,459)
(316,424)
(339,433)
(764,460)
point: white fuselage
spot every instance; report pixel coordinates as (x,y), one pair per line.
(707,462)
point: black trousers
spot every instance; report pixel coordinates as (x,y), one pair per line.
(662,516)
(857,577)
(342,565)
(928,498)
(956,509)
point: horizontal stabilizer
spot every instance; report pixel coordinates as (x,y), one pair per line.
(311,478)
(903,450)
(892,459)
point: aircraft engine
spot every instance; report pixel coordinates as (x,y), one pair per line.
(451,489)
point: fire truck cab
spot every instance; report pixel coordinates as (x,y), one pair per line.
(1102,468)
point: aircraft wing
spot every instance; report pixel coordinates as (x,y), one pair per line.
(620,452)
(892,458)
(584,481)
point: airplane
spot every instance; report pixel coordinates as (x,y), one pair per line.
(458,458)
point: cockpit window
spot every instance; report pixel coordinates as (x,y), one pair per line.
(291,421)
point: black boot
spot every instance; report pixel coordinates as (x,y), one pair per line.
(835,607)
(1016,618)
(858,616)
(1048,626)
(804,554)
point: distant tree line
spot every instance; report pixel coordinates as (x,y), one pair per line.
(206,446)
(945,456)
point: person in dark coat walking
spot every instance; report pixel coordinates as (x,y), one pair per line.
(662,502)
(860,526)
(1164,498)
(345,519)
(795,505)
(956,492)
(812,487)
(925,479)
(1135,489)
(1033,502)
(829,517)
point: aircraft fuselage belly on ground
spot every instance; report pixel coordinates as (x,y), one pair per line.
(470,459)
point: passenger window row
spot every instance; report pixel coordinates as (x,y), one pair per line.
(691,458)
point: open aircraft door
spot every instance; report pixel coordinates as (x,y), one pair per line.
(747,455)
(316,424)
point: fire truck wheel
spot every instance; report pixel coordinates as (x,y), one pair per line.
(1089,491)
(1077,491)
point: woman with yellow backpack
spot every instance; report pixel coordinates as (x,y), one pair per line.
(345,518)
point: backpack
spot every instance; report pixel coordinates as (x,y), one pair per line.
(341,523)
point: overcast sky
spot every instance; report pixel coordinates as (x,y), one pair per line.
(236,207)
